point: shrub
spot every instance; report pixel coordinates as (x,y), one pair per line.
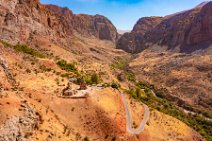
(115,85)
(146,87)
(6,44)
(69,67)
(95,78)
(130,76)
(45,69)
(121,77)
(67,75)
(113,139)
(86,139)
(121,63)
(28,70)
(136,93)
(105,85)
(24,49)
(89,79)
(57,81)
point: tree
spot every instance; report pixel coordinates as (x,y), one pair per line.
(95,78)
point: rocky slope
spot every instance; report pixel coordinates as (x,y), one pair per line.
(133,42)
(101,116)
(31,79)
(186,79)
(186,31)
(22,20)
(86,25)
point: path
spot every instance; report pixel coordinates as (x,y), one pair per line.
(128,118)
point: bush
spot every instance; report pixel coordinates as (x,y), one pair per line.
(24,48)
(115,85)
(67,75)
(28,70)
(27,50)
(6,44)
(86,139)
(136,93)
(130,76)
(146,87)
(113,139)
(69,67)
(121,77)
(121,63)
(95,79)
(89,79)
(45,69)
(105,85)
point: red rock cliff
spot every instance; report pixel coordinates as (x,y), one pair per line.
(22,19)
(186,31)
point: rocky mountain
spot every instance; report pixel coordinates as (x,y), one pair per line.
(21,20)
(185,31)
(43,46)
(133,41)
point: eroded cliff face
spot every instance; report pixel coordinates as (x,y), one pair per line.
(21,20)
(201,28)
(87,25)
(186,31)
(133,42)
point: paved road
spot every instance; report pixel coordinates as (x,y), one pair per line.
(128,118)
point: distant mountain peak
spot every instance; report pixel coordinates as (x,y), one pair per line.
(120,31)
(50,21)
(185,31)
(203,4)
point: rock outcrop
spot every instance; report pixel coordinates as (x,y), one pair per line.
(87,25)
(133,42)
(7,71)
(21,20)
(20,128)
(186,31)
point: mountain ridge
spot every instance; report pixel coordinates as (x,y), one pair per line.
(186,31)
(24,19)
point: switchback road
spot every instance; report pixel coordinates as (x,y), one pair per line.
(129,120)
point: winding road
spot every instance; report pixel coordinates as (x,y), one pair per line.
(128,118)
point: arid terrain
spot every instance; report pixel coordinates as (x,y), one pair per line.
(53,118)
(43,46)
(186,79)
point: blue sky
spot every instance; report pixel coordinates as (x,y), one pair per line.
(125,13)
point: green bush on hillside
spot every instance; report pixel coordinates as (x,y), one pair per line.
(69,67)
(115,85)
(95,78)
(130,76)
(24,49)
(90,79)
(121,63)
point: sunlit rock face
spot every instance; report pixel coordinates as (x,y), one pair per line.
(133,42)
(21,20)
(187,31)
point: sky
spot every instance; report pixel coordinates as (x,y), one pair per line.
(125,13)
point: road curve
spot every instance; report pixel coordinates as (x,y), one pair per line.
(128,118)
